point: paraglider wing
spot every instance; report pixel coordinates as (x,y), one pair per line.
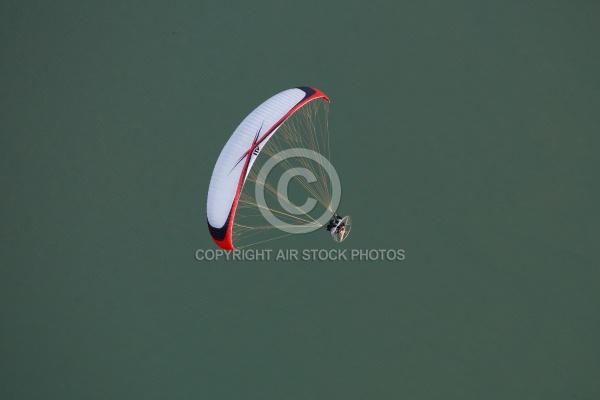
(238,155)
